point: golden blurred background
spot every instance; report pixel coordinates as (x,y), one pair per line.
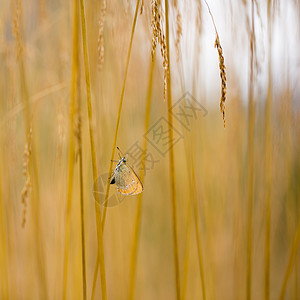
(224,223)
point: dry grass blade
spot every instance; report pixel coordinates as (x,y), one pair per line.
(192,207)
(251,120)
(222,216)
(268,156)
(79,141)
(93,152)
(186,260)
(116,135)
(74,74)
(139,200)
(291,261)
(171,156)
(18,32)
(3,249)
(120,109)
(197,228)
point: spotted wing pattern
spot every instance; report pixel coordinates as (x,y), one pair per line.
(127,181)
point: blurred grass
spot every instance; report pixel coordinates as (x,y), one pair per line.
(171,156)
(93,152)
(71,155)
(137,225)
(214,177)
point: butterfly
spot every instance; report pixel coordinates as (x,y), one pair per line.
(128,183)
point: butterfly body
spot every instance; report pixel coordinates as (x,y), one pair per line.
(126,179)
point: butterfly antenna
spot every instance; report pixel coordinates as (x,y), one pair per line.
(120,152)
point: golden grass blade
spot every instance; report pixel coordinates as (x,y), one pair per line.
(79,140)
(188,214)
(195,208)
(120,109)
(93,153)
(71,145)
(250,158)
(192,206)
(192,203)
(3,249)
(268,156)
(197,229)
(186,259)
(292,257)
(19,36)
(140,196)
(296,278)
(95,278)
(115,138)
(171,157)
(237,192)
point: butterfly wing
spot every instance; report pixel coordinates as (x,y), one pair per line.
(127,181)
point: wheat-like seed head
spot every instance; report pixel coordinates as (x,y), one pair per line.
(27,187)
(178,32)
(163,50)
(159,38)
(100,41)
(221,66)
(222,75)
(155,24)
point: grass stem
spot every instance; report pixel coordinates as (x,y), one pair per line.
(250,157)
(93,152)
(3,249)
(79,137)
(19,35)
(115,137)
(268,156)
(74,74)
(137,225)
(171,157)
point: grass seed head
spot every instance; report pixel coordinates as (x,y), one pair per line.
(27,187)
(178,32)
(159,38)
(100,41)
(223,77)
